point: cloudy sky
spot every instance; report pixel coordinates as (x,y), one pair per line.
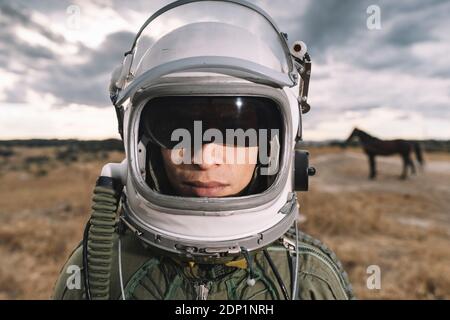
(389,76)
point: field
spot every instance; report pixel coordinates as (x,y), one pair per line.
(401,226)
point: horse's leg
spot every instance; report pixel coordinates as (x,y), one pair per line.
(405,166)
(411,164)
(373,172)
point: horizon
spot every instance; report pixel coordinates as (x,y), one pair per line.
(119,139)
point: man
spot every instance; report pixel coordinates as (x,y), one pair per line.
(204,206)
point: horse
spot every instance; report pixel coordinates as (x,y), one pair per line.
(373,146)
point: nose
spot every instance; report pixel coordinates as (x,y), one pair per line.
(208,156)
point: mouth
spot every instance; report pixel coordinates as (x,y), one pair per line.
(205,189)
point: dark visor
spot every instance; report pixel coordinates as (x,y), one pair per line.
(162,116)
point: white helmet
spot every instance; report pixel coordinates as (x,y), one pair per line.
(192,53)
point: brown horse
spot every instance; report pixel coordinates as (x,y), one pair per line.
(373,146)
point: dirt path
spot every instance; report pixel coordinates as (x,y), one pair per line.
(401,225)
(347,172)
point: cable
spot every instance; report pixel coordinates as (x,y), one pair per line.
(251,279)
(277,274)
(294,287)
(120,269)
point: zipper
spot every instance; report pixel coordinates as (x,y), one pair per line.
(202,291)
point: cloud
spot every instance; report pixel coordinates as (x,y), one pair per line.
(58,63)
(338,30)
(82,81)
(329,23)
(22,16)
(86,82)
(12,47)
(401,69)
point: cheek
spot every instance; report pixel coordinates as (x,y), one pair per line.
(253,155)
(165,153)
(238,155)
(170,167)
(239,171)
(168,155)
(239,175)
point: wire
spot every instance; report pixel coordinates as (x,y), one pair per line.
(277,274)
(120,269)
(248,258)
(294,287)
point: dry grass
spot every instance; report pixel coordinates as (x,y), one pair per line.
(41,220)
(401,226)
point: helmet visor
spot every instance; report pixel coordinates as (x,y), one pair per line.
(210,28)
(191,121)
(231,139)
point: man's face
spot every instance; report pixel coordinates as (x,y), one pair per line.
(212,172)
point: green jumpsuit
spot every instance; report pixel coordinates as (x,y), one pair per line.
(148,274)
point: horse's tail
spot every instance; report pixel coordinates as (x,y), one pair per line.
(418,152)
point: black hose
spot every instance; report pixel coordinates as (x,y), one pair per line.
(277,274)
